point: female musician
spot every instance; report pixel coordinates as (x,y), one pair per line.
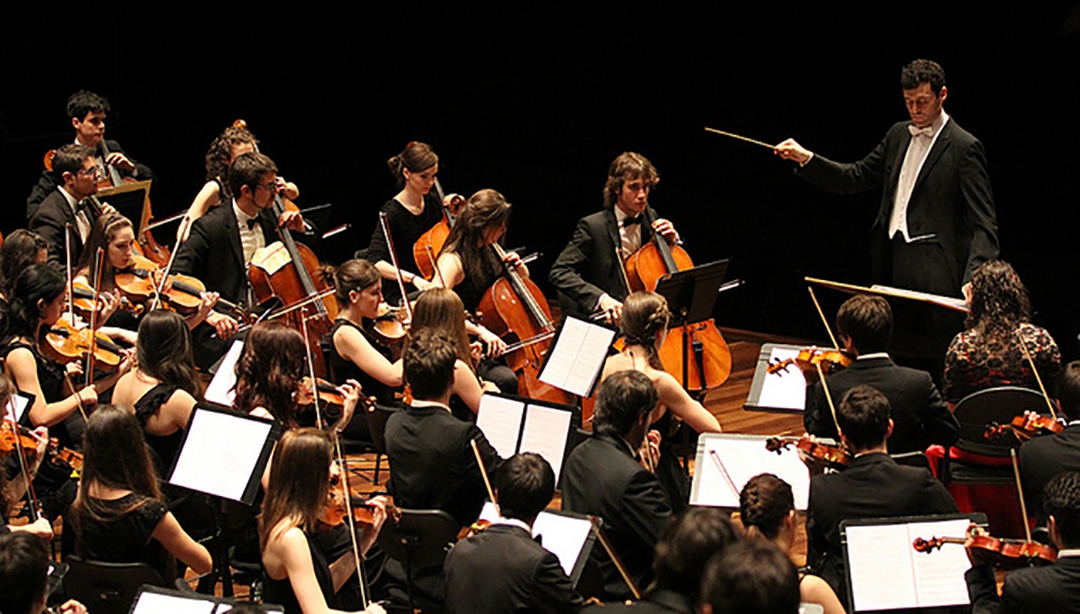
(767,511)
(644,325)
(36,304)
(988,352)
(19,250)
(229,145)
(119,509)
(11,491)
(411,213)
(298,575)
(468,266)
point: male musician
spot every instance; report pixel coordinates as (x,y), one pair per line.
(24,571)
(589,272)
(1044,457)
(920,416)
(937,222)
(502,568)
(87,112)
(603,477)
(431,457)
(750,577)
(873,486)
(67,204)
(1052,588)
(223,242)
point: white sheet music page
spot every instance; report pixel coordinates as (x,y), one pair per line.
(784,389)
(546,431)
(577,356)
(939,575)
(16,407)
(743,457)
(500,420)
(154,603)
(220,391)
(561,535)
(220,453)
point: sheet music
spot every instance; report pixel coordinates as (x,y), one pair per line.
(500,420)
(743,457)
(784,389)
(577,356)
(545,433)
(220,453)
(17,406)
(220,391)
(562,536)
(887,573)
(153,603)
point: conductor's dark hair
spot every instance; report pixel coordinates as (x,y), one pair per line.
(863,416)
(525,484)
(1068,390)
(82,102)
(628,166)
(1061,499)
(69,159)
(751,577)
(428,362)
(24,567)
(867,321)
(248,170)
(623,398)
(685,545)
(923,71)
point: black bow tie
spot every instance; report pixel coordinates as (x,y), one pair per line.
(251,223)
(630,221)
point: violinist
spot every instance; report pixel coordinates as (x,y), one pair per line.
(921,418)
(14,489)
(19,250)
(1051,588)
(469,266)
(1042,458)
(750,577)
(873,485)
(233,142)
(87,112)
(412,212)
(75,167)
(644,325)
(298,574)
(223,242)
(589,272)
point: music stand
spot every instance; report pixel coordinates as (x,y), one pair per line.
(418,538)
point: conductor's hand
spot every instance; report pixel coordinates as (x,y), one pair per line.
(791,150)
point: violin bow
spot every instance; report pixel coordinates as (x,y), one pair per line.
(184,223)
(70,273)
(384,221)
(1027,355)
(20,451)
(434,265)
(824,320)
(484,474)
(99,266)
(828,396)
(724,472)
(1020,494)
(634,590)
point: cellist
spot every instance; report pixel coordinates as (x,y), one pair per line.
(589,273)
(223,242)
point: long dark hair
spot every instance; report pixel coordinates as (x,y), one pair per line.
(999,303)
(643,315)
(101,235)
(269,371)
(38,283)
(220,152)
(485,209)
(442,310)
(19,250)
(163,350)
(764,502)
(299,480)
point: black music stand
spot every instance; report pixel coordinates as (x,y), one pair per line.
(418,538)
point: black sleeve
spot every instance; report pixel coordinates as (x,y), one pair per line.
(646,508)
(554,592)
(192,257)
(940,425)
(847,177)
(982,590)
(567,273)
(45,185)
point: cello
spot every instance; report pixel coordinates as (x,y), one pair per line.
(431,242)
(710,359)
(515,308)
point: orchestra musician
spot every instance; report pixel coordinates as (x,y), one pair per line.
(19,250)
(872,486)
(502,568)
(644,326)
(24,573)
(936,223)
(589,272)
(412,212)
(87,112)
(603,477)
(1050,588)
(1045,456)
(750,577)
(14,489)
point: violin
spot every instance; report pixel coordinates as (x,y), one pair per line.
(328,394)
(828,359)
(830,453)
(181,293)
(710,359)
(428,246)
(69,343)
(21,438)
(338,507)
(388,327)
(1025,427)
(83,300)
(1000,553)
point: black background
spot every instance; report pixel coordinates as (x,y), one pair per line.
(535,100)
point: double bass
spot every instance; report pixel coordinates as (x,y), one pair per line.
(708,363)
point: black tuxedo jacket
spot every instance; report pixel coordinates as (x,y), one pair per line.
(602,478)
(659,601)
(951,199)
(49,221)
(1044,457)
(590,265)
(1053,588)
(873,486)
(503,570)
(48,182)
(918,412)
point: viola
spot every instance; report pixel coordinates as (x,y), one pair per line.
(828,359)
(1025,427)
(830,453)
(709,363)
(515,309)
(1000,553)
(428,246)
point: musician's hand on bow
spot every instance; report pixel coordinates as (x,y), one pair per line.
(72,607)
(350,392)
(791,150)
(816,466)
(41,434)
(109,303)
(612,308)
(40,527)
(224,325)
(207,300)
(292,220)
(119,160)
(652,447)
(665,229)
(495,345)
